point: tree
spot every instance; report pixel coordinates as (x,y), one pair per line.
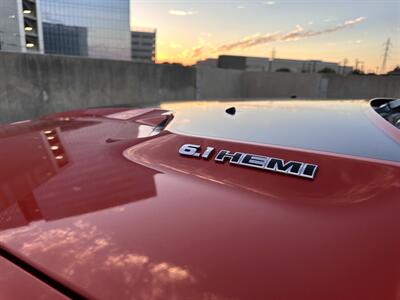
(327,71)
(283,70)
(357,72)
(395,71)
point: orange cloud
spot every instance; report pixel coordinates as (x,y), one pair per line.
(181,13)
(205,50)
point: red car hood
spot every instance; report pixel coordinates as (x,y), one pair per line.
(103,204)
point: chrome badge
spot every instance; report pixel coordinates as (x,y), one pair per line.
(273,164)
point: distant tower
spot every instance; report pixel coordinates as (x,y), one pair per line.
(388,44)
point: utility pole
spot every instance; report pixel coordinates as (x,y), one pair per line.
(273,53)
(386,54)
(344,66)
(361,66)
(356,64)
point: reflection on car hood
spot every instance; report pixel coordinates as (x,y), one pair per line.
(98,202)
(334,126)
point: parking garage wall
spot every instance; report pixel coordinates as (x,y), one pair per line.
(32,85)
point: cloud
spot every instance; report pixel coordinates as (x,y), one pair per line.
(297,33)
(268,2)
(329,20)
(206,34)
(342,26)
(181,13)
(174,45)
(355,41)
(240,6)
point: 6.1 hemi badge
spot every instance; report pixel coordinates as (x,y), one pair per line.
(254,161)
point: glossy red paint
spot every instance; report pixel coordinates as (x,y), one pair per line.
(126,217)
(17,284)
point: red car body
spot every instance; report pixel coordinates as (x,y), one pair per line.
(99,204)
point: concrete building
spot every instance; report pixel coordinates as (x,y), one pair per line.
(20,26)
(308,66)
(295,66)
(260,64)
(264,64)
(144,45)
(247,63)
(232,62)
(209,62)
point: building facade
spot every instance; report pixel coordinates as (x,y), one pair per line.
(307,66)
(264,64)
(209,62)
(20,26)
(247,63)
(94,28)
(105,24)
(144,45)
(65,40)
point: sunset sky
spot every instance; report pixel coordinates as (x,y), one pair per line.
(188,31)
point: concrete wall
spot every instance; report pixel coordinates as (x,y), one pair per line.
(215,83)
(33,85)
(353,87)
(283,85)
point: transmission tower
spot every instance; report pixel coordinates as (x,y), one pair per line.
(386,54)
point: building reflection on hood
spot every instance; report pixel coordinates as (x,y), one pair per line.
(48,176)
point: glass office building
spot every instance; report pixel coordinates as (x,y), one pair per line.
(94,28)
(66,40)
